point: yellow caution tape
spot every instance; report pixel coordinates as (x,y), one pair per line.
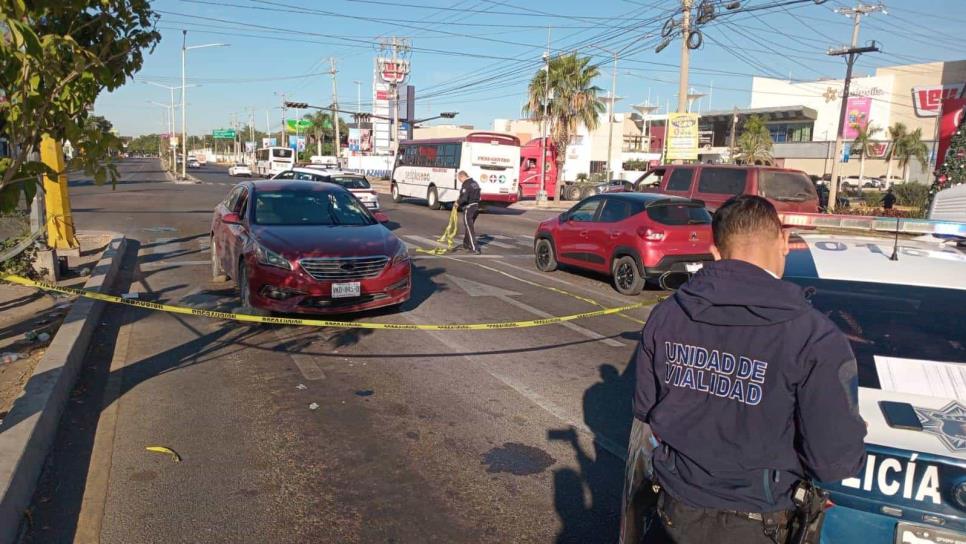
(316,322)
(448,235)
(168,451)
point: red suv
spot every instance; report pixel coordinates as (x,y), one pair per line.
(788,190)
(307,247)
(634,237)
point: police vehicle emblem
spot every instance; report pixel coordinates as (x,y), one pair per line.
(948,424)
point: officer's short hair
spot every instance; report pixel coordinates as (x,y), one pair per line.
(744,215)
(462,173)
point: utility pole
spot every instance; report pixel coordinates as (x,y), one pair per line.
(545,122)
(358,95)
(734,127)
(335,109)
(612,106)
(851,54)
(281,130)
(685,55)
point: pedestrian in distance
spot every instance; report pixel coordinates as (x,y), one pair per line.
(750,395)
(889,199)
(469,203)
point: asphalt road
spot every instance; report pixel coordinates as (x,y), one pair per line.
(495,436)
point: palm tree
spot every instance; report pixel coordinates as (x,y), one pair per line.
(863,145)
(572,101)
(897,134)
(912,148)
(754,144)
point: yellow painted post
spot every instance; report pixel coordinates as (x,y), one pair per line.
(60,224)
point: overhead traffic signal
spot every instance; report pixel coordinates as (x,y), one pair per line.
(297,105)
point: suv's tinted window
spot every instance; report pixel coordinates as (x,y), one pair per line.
(722,181)
(680,179)
(584,211)
(679,214)
(792,186)
(649,179)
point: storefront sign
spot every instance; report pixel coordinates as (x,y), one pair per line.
(682,137)
(952,119)
(928,100)
(856,116)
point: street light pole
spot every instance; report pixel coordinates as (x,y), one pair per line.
(358,96)
(184,102)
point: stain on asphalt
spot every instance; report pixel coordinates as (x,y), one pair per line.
(412,435)
(518,459)
(364,393)
(143,476)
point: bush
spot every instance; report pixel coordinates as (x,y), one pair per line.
(877,212)
(915,195)
(635,165)
(872,199)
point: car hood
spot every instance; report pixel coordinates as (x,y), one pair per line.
(295,242)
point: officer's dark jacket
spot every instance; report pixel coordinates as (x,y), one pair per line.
(469,193)
(749,389)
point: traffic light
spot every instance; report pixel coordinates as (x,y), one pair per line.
(297,105)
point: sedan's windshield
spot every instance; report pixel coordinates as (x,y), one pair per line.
(892,321)
(349,182)
(309,208)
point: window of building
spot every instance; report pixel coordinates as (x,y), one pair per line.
(790,132)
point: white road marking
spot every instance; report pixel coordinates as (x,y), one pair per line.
(423,240)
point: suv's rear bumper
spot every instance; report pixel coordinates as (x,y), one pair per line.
(675,263)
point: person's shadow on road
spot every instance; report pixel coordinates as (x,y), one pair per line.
(608,415)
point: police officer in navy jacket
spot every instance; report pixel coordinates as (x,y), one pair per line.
(746,388)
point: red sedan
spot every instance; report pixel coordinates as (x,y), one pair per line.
(307,247)
(633,237)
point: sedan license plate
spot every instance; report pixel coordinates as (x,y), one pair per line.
(907,533)
(693,267)
(346,290)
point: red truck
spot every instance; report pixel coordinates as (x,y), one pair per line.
(530,177)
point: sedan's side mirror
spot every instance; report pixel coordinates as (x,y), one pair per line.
(231,219)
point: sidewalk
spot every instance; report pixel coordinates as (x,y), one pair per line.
(30,318)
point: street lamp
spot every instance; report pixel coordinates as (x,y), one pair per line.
(171,90)
(611,105)
(184,101)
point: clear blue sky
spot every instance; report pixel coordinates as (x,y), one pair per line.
(476,56)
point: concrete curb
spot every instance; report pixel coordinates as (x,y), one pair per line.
(29,430)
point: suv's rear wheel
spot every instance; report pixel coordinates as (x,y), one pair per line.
(396,197)
(627,278)
(432,199)
(543,256)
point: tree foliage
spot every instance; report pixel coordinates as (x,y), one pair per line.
(911,147)
(572,100)
(755,144)
(56,56)
(953,170)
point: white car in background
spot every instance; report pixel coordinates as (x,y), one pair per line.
(239,169)
(357,184)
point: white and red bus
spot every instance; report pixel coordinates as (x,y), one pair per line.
(272,160)
(427,168)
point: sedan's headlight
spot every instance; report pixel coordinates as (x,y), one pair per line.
(402,254)
(268,257)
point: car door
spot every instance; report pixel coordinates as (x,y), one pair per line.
(236,235)
(573,238)
(607,232)
(219,230)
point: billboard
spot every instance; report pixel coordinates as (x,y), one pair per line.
(269,142)
(856,116)
(296,142)
(928,99)
(682,137)
(387,76)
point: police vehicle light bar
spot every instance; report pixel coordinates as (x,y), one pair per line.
(881,224)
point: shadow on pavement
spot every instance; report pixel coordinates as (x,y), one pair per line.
(607,407)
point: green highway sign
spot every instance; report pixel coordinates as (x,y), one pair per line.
(301,124)
(223,134)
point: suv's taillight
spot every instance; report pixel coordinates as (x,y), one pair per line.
(651,234)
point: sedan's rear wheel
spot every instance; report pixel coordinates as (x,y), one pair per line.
(627,278)
(217,273)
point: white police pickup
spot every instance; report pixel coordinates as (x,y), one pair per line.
(903,307)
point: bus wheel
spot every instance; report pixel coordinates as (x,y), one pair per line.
(433,199)
(396,197)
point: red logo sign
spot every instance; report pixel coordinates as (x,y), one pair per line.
(928,100)
(393,72)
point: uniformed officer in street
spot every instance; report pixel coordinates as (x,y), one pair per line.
(749,392)
(469,204)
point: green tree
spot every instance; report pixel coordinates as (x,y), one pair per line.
(863,144)
(571,102)
(754,144)
(56,56)
(912,147)
(897,133)
(323,131)
(145,144)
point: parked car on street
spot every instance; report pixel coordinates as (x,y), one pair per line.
(307,247)
(788,190)
(357,184)
(633,237)
(239,169)
(193,163)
